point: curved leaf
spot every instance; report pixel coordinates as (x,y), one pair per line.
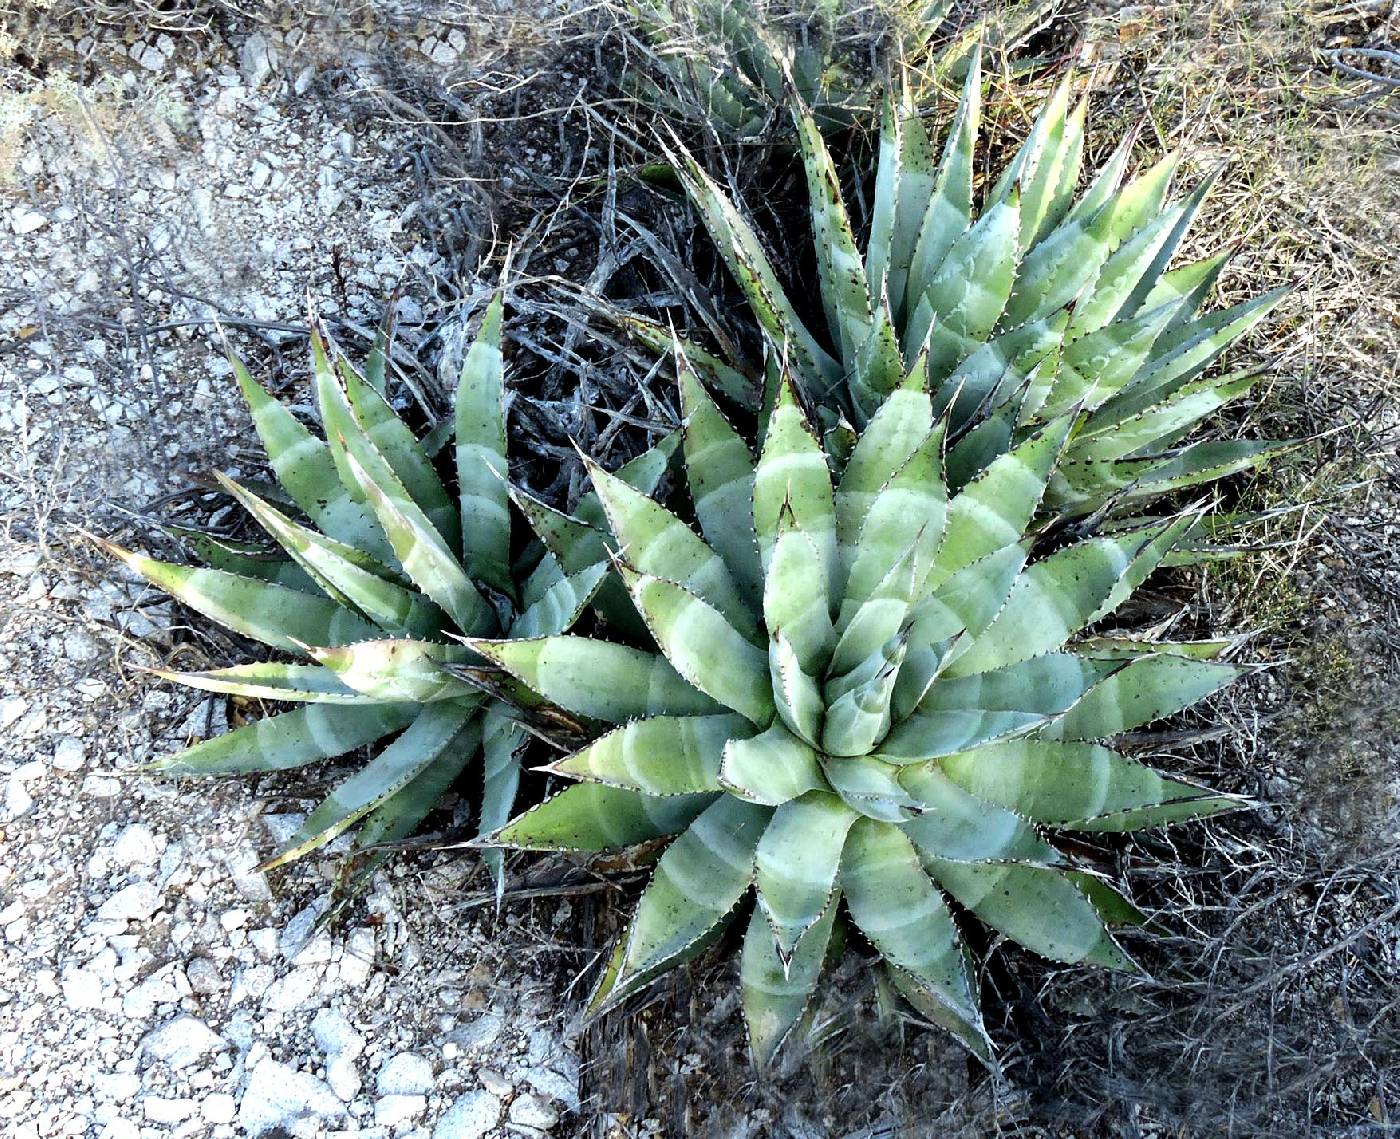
(1067,784)
(284,618)
(597,678)
(482,466)
(1035,906)
(770,768)
(777,991)
(436,728)
(665,755)
(796,862)
(902,913)
(659,544)
(595,817)
(698,882)
(703,647)
(289,739)
(399,670)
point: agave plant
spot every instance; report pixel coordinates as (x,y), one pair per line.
(729,65)
(872,699)
(381,568)
(1038,304)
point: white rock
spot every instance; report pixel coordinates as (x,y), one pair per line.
(218,1108)
(119,1086)
(18,800)
(301,943)
(81,646)
(294,990)
(135,903)
(395,1109)
(152,60)
(470,1117)
(495,1083)
(334,1034)
(254,60)
(24,220)
(357,962)
(135,846)
(280,1096)
(554,1085)
(11,710)
(82,989)
(101,787)
(343,1077)
(533,1111)
(69,754)
(160,988)
(181,1042)
(167,1110)
(405,1074)
(203,976)
(480,1034)
(252,982)
(120,1129)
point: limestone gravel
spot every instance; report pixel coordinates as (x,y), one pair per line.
(153,983)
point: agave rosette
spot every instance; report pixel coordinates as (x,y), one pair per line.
(870,697)
(730,64)
(380,568)
(1035,305)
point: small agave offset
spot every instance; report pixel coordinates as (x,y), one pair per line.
(382,568)
(729,63)
(872,696)
(1035,305)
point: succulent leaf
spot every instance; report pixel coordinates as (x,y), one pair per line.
(597,678)
(435,729)
(399,669)
(777,990)
(1068,784)
(792,475)
(697,884)
(957,826)
(1036,906)
(663,755)
(482,466)
(289,739)
(283,618)
(340,571)
(901,911)
(592,816)
(371,592)
(501,740)
(307,471)
(770,768)
(796,862)
(271,680)
(703,647)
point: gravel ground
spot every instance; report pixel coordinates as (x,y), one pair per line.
(152,982)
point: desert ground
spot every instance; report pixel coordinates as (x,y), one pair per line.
(171,173)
